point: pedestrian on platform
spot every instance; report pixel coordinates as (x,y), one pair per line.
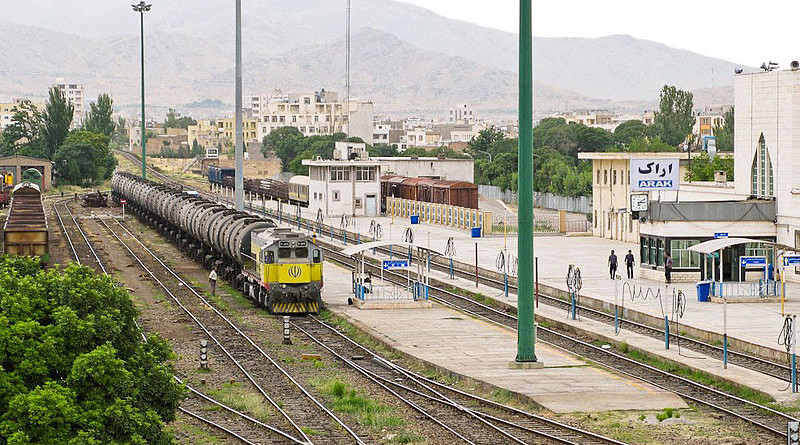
(629,264)
(212,280)
(612,264)
(668,268)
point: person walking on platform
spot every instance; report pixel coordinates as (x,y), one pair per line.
(668,268)
(212,280)
(612,264)
(629,264)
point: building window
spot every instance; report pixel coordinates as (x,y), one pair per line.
(682,257)
(605,176)
(339,174)
(598,176)
(595,212)
(336,195)
(644,251)
(365,174)
(614,177)
(358,203)
(660,253)
(761,171)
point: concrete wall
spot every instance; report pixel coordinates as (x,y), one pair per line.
(337,198)
(449,169)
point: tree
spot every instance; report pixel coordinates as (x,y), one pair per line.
(675,116)
(172,121)
(482,143)
(724,133)
(701,168)
(73,368)
(197,150)
(285,143)
(57,120)
(23,135)
(627,131)
(85,158)
(99,119)
(120,131)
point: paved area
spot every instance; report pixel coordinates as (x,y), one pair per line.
(482,351)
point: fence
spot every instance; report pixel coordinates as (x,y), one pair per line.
(579,204)
(443,214)
(754,289)
(552,223)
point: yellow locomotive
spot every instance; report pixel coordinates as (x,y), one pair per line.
(284,271)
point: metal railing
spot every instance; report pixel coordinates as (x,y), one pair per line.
(753,289)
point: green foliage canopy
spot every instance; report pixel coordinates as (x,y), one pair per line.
(73,368)
(675,117)
(99,119)
(724,133)
(172,121)
(57,120)
(701,168)
(85,158)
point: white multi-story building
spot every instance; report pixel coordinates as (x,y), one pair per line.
(320,113)
(349,184)
(461,114)
(74,93)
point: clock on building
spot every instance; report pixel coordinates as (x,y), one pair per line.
(639,202)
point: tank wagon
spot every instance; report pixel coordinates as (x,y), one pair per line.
(25,231)
(276,268)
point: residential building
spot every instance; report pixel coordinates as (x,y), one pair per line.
(320,113)
(461,115)
(708,119)
(74,93)
(7,110)
(222,132)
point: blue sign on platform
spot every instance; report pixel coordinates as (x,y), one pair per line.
(753,261)
(721,235)
(394,264)
(791,260)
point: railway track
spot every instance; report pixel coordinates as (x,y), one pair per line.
(298,409)
(248,426)
(503,423)
(767,419)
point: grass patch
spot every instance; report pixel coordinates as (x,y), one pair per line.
(357,335)
(241,399)
(366,411)
(408,438)
(196,433)
(699,377)
(309,431)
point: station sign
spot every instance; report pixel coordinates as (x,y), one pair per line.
(394,264)
(655,174)
(721,235)
(791,260)
(753,261)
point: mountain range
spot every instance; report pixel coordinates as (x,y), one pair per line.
(405,59)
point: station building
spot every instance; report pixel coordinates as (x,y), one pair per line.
(16,166)
(762,203)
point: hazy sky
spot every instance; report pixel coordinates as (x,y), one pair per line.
(735,30)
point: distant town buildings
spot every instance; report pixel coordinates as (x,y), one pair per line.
(462,115)
(708,119)
(607,120)
(74,93)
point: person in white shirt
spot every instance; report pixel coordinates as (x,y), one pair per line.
(212,279)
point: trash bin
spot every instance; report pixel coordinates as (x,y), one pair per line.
(476,232)
(703,290)
(414,219)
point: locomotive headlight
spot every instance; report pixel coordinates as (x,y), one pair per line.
(283,286)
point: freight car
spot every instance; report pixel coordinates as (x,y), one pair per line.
(278,269)
(455,193)
(298,189)
(295,191)
(25,231)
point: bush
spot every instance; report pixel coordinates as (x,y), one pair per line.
(73,368)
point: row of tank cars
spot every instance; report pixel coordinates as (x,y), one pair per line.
(275,267)
(295,191)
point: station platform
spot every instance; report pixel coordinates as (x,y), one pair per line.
(482,351)
(758,324)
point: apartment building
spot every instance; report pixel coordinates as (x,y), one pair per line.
(461,114)
(213,133)
(74,93)
(320,113)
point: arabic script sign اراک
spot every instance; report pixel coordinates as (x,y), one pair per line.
(655,174)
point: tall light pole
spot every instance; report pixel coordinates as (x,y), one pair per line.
(141,8)
(239,155)
(525,305)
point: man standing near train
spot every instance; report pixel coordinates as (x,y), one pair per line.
(212,280)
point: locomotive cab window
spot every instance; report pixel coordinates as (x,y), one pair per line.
(301,252)
(316,256)
(284,252)
(269,257)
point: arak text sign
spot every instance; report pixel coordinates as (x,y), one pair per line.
(655,174)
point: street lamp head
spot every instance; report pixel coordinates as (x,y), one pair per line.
(141,7)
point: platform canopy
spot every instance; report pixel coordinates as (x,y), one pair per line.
(714,245)
(358,248)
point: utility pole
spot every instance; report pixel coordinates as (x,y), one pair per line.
(239,178)
(141,8)
(347,72)
(525,325)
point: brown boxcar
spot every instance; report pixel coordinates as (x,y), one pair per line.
(25,230)
(456,193)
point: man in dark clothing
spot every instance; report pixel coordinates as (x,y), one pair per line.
(612,264)
(668,268)
(629,264)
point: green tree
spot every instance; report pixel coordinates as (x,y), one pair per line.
(630,130)
(724,133)
(73,368)
(120,132)
(23,134)
(85,158)
(675,116)
(285,143)
(481,144)
(383,150)
(197,150)
(172,121)
(701,168)
(99,119)
(57,120)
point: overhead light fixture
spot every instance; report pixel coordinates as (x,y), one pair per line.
(738,70)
